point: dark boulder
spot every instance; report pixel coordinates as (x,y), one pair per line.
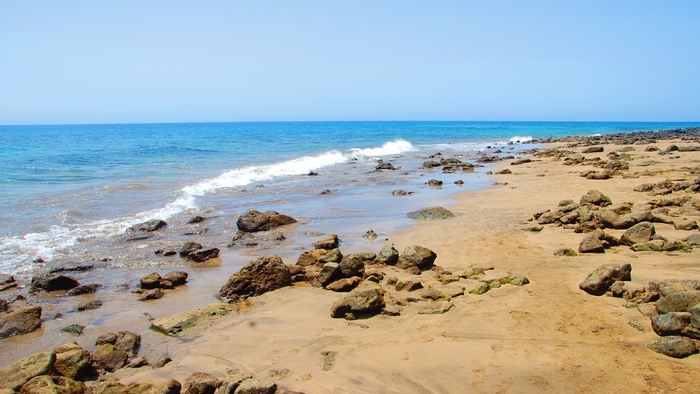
(147,227)
(49,282)
(639,233)
(84,289)
(177,278)
(188,248)
(203,255)
(261,275)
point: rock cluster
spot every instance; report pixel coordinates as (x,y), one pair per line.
(70,369)
(594,213)
(673,306)
(152,284)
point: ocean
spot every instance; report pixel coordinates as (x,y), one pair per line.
(69,192)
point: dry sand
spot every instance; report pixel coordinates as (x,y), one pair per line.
(547,336)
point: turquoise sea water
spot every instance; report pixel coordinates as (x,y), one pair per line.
(67,191)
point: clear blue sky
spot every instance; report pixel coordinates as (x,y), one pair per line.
(175,61)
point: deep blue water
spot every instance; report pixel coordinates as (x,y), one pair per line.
(64,186)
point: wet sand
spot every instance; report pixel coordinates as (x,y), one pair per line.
(545,336)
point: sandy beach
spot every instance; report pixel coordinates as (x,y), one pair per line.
(544,336)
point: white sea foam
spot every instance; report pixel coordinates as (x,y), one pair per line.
(17,250)
(390,148)
(521,140)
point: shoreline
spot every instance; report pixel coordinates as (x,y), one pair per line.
(548,335)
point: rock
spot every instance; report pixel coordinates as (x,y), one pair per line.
(685,225)
(329,273)
(73,329)
(329,243)
(14,376)
(431,213)
(598,281)
(352,266)
(88,305)
(518,280)
(154,386)
(693,240)
(49,282)
(388,255)
(150,281)
(595,197)
(128,341)
(254,221)
(255,386)
(7,282)
(639,233)
(679,301)
(200,383)
(231,383)
(72,361)
(593,149)
(202,255)
(384,166)
(191,321)
(481,288)
(592,243)
(137,362)
(147,227)
(656,245)
(671,323)
(436,308)
(177,278)
(153,294)
(674,346)
(370,234)
(401,193)
(51,385)
(83,289)
(565,252)
(20,321)
(344,284)
(188,248)
(311,257)
(408,285)
(435,183)
(416,256)
(261,275)
(108,357)
(367,298)
(332,256)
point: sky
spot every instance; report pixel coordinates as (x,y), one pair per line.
(219,61)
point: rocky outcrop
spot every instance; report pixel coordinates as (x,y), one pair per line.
(261,275)
(72,361)
(254,221)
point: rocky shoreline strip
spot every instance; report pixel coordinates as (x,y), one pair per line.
(402,286)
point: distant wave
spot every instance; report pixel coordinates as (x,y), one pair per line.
(15,250)
(521,140)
